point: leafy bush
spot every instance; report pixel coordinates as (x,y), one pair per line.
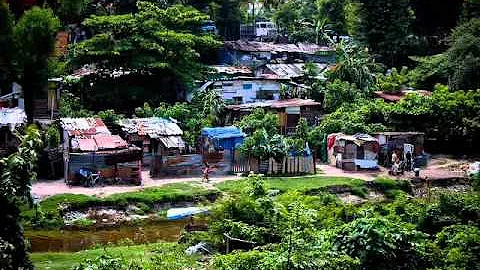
(385,184)
(360,191)
(451,208)
(258,120)
(382,244)
(394,81)
(53,136)
(104,262)
(460,246)
(238,260)
(84,222)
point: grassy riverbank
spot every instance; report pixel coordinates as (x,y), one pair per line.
(169,255)
(49,216)
(300,183)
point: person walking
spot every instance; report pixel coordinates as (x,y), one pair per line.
(206,171)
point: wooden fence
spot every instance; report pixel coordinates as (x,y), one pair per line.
(292,165)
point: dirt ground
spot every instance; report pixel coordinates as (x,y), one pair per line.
(42,189)
(439,167)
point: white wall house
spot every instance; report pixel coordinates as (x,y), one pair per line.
(240,91)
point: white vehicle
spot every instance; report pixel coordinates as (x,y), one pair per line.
(265,29)
(474,168)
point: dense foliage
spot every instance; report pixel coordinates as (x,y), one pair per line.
(299,231)
(17,171)
(35,34)
(146,42)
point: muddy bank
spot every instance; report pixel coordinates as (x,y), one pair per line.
(76,240)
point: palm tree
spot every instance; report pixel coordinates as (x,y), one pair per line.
(355,65)
(213,105)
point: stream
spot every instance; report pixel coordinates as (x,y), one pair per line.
(76,240)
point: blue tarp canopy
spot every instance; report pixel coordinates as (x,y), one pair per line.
(226,137)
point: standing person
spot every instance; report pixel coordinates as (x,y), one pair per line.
(395,162)
(205,172)
(408,157)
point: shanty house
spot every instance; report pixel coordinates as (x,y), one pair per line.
(352,152)
(219,143)
(402,142)
(255,52)
(289,111)
(91,146)
(10,118)
(158,137)
(288,71)
(245,89)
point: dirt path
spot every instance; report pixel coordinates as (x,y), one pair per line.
(44,189)
(364,175)
(437,169)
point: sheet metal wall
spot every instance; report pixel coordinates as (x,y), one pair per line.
(127,171)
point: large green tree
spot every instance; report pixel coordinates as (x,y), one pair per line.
(6,46)
(384,26)
(229,19)
(149,42)
(464,56)
(35,35)
(354,65)
(334,13)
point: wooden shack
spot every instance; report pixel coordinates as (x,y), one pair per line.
(89,145)
(159,138)
(352,152)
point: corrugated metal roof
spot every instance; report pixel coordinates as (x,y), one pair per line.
(394,97)
(172,142)
(275,104)
(232,70)
(85,145)
(290,71)
(12,117)
(154,127)
(99,142)
(105,142)
(84,127)
(256,46)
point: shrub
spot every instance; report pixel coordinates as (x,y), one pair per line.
(84,222)
(382,244)
(460,246)
(238,260)
(360,191)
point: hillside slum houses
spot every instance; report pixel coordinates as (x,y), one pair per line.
(289,111)
(10,118)
(289,71)
(352,152)
(267,83)
(255,52)
(90,146)
(159,138)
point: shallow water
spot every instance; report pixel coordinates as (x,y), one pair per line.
(75,240)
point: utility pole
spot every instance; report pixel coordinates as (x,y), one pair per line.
(253,16)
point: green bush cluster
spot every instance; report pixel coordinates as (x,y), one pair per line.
(308,231)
